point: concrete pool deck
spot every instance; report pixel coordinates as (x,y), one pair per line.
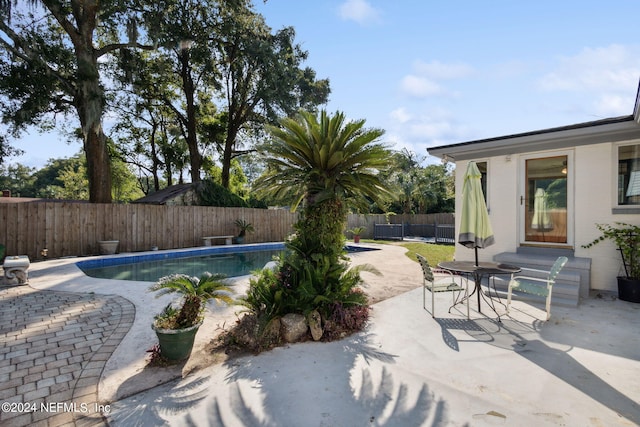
(580,368)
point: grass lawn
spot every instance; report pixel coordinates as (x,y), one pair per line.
(432,252)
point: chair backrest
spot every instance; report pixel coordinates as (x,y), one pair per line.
(426,269)
(557,266)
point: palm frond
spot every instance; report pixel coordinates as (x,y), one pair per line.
(323,156)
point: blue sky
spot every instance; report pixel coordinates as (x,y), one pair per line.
(440,72)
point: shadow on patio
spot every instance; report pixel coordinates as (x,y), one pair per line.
(599,334)
(339,383)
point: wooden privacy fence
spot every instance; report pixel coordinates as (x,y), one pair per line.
(74,229)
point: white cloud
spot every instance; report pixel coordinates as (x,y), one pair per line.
(419,130)
(400,115)
(439,70)
(359,11)
(420,87)
(432,129)
(607,75)
(613,67)
(609,105)
(425,81)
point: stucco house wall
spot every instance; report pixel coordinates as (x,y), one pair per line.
(596,174)
(594,200)
(501,203)
(592,150)
(594,189)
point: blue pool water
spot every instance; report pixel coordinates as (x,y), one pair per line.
(232,261)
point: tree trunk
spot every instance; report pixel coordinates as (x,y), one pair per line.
(323,223)
(98,165)
(89,101)
(155,162)
(192,137)
(226,157)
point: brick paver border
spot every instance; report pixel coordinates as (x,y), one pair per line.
(53,348)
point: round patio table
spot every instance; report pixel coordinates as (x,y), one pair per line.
(483,269)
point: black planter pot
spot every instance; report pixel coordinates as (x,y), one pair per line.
(629,289)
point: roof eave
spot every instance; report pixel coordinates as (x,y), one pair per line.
(608,130)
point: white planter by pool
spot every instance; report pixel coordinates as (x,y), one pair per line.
(108,247)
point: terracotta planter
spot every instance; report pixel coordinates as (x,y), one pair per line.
(176,344)
(628,289)
(356,239)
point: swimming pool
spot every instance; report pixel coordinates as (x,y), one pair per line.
(232,261)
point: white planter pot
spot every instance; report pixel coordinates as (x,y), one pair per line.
(108,247)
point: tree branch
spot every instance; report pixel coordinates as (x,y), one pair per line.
(115,46)
(24,52)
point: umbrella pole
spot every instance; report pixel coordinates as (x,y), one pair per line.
(478,280)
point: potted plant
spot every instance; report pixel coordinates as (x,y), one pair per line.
(108,247)
(627,238)
(245,227)
(176,326)
(356,231)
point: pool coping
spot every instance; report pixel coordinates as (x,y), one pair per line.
(166,254)
(129,258)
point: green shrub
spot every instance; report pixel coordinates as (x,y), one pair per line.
(210,193)
(302,284)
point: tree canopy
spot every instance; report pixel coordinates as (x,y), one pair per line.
(53,53)
(189,64)
(190,88)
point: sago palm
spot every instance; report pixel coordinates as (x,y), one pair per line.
(196,292)
(314,159)
(325,163)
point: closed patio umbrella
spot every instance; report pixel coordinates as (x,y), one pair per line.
(475,228)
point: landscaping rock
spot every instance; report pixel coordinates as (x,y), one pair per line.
(271,334)
(248,334)
(293,327)
(315,325)
(271,265)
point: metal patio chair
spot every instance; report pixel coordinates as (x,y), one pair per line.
(542,285)
(449,283)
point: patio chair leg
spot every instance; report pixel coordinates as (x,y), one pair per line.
(466,296)
(433,303)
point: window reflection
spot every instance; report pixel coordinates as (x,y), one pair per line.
(629,175)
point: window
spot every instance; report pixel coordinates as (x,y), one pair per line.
(482,167)
(629,174)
